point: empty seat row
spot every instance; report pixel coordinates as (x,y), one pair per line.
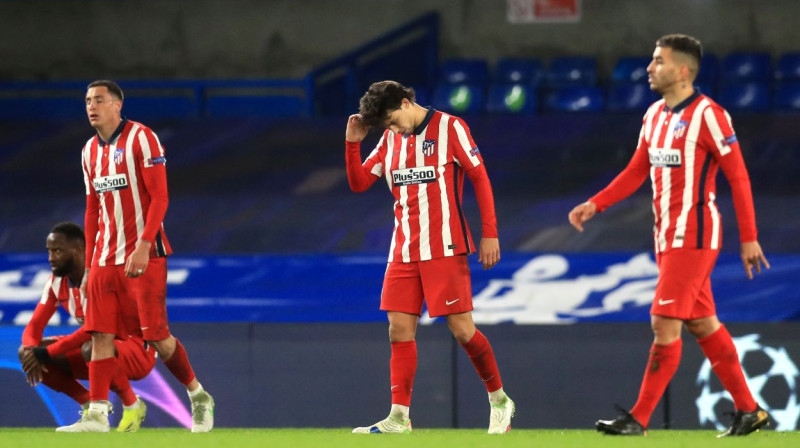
(631,97)
(582,70)
(577,70)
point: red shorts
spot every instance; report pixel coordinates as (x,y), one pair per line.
(443,284)
(136,356)
(151,292)
(684,284)
(111,303)
(80,370)
(137,359)
(125,306)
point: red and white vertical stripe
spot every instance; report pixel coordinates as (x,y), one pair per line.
(428,219)
(122,212)
(684,194)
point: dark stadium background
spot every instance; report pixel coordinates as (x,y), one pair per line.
(250,100)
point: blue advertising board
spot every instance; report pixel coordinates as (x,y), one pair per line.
(523,288)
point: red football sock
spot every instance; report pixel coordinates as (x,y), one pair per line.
(122,387)
(721,353)
(61,382)
(179,365)
(100,374)
(482,357)
(661,366)
(403,368)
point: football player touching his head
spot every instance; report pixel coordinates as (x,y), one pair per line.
(424,155)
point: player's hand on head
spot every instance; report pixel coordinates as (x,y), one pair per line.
(752,258)
(356,130)
(582,213)
(489,252)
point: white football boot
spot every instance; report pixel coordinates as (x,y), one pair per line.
(500,416)
(94,419)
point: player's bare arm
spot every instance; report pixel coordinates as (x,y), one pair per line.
(752,258)
(356,131)
(136,264)
(582,213)
(489,252)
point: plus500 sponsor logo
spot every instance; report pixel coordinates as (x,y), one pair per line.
(110,183)
(412,176)
(665,157)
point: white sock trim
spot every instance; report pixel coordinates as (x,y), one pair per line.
(498,396)
(399,411)
(196,392)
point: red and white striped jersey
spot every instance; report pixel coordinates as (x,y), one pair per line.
(126,194)
(425,173)
(57,291)
(682,149)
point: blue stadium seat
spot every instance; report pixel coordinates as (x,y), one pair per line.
(572,71)
(745,96)
(709,73)
(631,69)
(518,71)
(787,96)
(511,99)
(630,97)
(739,66)
(464,71)
(575,99)
(459,98)
(788,67)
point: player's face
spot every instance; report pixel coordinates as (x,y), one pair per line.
(401,121)
(663,71)
(102,108)
(61,254)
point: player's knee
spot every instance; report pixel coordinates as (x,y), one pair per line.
(462,335)
(702,328)
(164,347)
(666,330)
(401,333)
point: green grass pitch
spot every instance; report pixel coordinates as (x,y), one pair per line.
(439,438)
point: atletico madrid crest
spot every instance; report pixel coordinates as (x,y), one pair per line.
(428,147)
(119,155)
(680,130)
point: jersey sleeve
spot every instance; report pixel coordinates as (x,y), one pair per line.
(485,199)
(360,175)
(154,174)
(32,334)
(92,215)
(72,341)
(465,151)
(725,149)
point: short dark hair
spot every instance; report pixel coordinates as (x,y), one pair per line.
(381,99)
(71,231)
(113,88)
(683,43)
